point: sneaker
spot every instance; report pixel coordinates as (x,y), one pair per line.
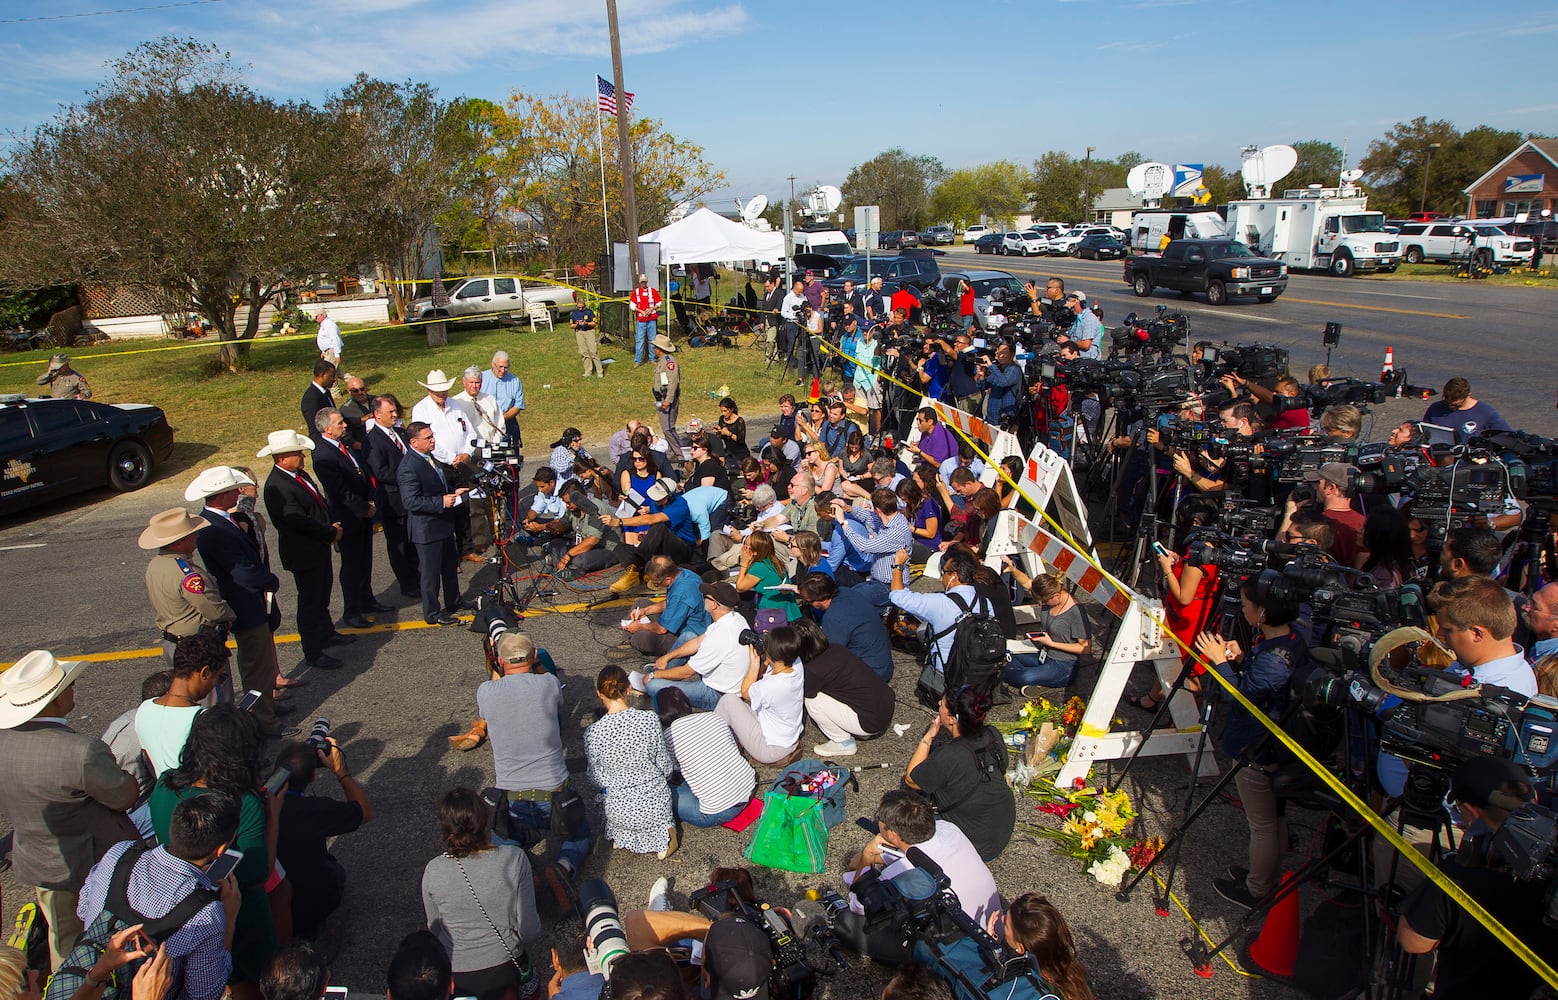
(659,894)
(1235,891)
(1238,873)
(1033,691)
(845,748)
(672,844)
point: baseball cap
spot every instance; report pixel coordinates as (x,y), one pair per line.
(660,491)
(514,647)
(1480,782)
(777,432)
(1336,473)
(721,591)
(737,957)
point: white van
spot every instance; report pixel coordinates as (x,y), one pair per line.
(825,241)
(1149,228)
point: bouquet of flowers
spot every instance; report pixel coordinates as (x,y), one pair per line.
(1093,828)
(1044,732)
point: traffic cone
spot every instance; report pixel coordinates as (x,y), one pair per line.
(1390,364)
(1275,949)
(816,390)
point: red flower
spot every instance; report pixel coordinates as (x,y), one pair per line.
(1079,783)
(1061,809)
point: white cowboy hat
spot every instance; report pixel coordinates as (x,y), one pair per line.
(217,479)
(664,343)
(282,442)
(437,381)
(168,527)
(31,683)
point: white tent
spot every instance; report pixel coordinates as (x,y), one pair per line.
(706,237)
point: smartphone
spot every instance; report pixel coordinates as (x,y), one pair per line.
(335,993)
(248,700)
(278,779)
(867,824)
(1159,549)
(224,864)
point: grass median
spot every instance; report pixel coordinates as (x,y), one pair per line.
(1543,277)
(223,418)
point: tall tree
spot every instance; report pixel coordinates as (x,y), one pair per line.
(898,182)
(1057,188)
(995,191)
(1398,162)
(175,178)
(1319,162)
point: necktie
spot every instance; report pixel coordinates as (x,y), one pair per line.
(304,481)
(398,442)
(372,483)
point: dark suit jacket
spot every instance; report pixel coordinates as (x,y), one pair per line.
(314,400)
(346,484)
(384,462)
(427,520)
(304,532)
(236,563)
(65,797)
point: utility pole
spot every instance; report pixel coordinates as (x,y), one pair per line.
(1087,186)
(625,155)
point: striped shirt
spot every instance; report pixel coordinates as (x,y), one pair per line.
(706,753)
(157,884)
(882,542)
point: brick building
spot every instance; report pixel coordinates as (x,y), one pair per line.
(1524,181)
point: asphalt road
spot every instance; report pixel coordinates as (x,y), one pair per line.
(1488,334)
(74,584)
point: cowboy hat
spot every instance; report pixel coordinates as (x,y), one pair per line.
(663,343)
(31,684)
(168,527)
(217,479)
(58,361)
(437,381)
(284,442)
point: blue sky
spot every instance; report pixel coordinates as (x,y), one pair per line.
(810,89)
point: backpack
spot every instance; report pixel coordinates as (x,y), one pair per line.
(976,660)
(117,914)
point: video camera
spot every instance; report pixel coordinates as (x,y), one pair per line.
(1337,391)
(1160,334)
(793,974)
(1351,611)
(1451,494)
(1263,363)
(1531,463)
(1295,456)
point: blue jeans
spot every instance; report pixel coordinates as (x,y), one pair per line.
(530,822)
(643,340)
(700,694)
(1025,669)
(688,810)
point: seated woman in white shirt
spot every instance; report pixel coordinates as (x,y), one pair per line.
(768,716)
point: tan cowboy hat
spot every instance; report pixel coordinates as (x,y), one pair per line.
(217,479)
(283,442)
(663,342)
(437,381)
(168,527)
(32,682)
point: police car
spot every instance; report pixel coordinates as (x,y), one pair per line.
(50,448)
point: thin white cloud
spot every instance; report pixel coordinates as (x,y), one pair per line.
(1534,109)
(1129,46)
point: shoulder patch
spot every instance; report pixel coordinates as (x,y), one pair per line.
(670,366)
(195,583)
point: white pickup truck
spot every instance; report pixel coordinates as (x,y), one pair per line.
(496,298)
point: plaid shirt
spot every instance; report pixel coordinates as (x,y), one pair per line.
(158,883)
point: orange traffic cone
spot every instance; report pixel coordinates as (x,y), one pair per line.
(1390,364)
(816,390)
(1275,949)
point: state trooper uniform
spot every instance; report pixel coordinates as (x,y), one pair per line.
(64,382)
(182,597)
(668,395)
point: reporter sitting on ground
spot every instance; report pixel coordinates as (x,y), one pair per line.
(762,575)
(714,663)
(905,820)
(1061,632)
(1342,422)
(480,902)
(307,824)
(671,532)
(571,975)
(1033,926)
(681,610)
(845,698)
(628,761)
(767,716)
(965,774)
(848,619)
(717,782)
(1265,674)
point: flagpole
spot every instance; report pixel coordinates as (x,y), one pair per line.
(600,146)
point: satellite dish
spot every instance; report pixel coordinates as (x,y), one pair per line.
(754,208)
(1265,166)
(679,211)
(1352,176)
(829,198)
(1150,181)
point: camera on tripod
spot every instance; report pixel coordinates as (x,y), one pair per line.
(1336,392)
(1449,495)
(1296,456)
(1263,363)
(1351,611)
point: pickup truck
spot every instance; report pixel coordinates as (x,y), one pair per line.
(1219,268)
(497,298)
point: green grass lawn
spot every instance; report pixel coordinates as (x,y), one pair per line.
(224,418)
(1546,277)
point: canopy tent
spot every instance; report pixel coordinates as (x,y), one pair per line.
(706,237)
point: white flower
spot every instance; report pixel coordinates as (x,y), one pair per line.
(1090,817)
(1111,870)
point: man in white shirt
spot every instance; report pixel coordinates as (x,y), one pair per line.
(329,338)
(716,660)
(453,425)
(482,406)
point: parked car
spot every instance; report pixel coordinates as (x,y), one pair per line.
(1066,243)
(973,233)
(1046,230)
(1025,244)
(1221,268)
(989,243)
(1545,230)
(51,448)
(918,270)
(938,236)
(498,298)
(1444,241)
(984,283)
(1100,246)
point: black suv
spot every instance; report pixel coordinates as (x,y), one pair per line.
(1545,230)
(915,269)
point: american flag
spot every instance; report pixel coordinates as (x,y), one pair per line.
(608,96)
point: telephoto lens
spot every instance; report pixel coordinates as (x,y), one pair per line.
(319,735)
(602,924)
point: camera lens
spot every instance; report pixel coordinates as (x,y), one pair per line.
(602,923)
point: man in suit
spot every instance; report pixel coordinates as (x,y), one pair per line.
(350,490)
(357,411)
(62,791)
(432,504)
(318,394)
(385,445)
(304,533)
(233,558)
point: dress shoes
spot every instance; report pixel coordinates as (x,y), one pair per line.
(339,639)
(356,621)
(324,661)
(382,609)
(443,619)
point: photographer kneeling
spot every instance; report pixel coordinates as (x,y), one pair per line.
(307,823)
(1265,675)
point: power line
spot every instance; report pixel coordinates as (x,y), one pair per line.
(100,13)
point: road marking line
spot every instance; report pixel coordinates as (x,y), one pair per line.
(29,545)
(1399,295)
(1383,309)
(291,637)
